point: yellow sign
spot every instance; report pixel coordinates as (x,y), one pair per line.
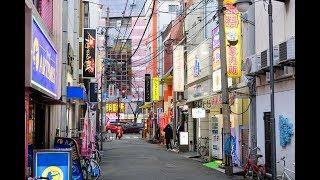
(113,107)
(155,89)
(54,172)
(232,24)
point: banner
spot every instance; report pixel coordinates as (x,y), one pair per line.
(147,85)
(178,69)
(93,92)
(89,53)
(155,89)
(232,23)
(215,48)
(159,113)
(70,143)
(44,61)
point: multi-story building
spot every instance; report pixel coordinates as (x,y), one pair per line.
(125,64)
(284,84)
(163,13)
(43,68)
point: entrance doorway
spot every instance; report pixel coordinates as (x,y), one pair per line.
(39,126)
(267,140)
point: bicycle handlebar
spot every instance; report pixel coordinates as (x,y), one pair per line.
(254,148)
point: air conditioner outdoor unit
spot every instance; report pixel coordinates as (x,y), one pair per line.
(265,60)
(287,50)
(287,71)
(253,64)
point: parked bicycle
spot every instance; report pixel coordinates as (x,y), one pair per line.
(251,169)
(95,151)
(203,146)
(287,174)
(90,168)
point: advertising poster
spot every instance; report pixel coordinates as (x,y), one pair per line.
(44,62)
(89,53)
(232,23)
(53,164)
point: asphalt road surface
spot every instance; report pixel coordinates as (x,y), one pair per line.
(132,158)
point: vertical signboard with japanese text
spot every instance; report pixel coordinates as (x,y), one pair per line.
(232,23)
(178,69)
(215,49)
(93,91)
(89,53)
(44,61)
(155,89)
(147,86)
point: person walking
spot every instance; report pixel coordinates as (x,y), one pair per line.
(168,136)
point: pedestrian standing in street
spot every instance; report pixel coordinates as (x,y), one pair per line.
(168,136)
(119,132)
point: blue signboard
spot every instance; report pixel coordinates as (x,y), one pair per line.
(53,164)
(44,61)
(75,92)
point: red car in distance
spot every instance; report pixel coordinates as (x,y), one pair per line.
(113,126)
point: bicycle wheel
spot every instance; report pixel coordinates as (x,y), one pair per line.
(95,170)
(261,173)
(249,174)
(200,150)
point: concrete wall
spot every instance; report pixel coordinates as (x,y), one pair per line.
(165,18)
(47,14)
(283,23)
(284,105)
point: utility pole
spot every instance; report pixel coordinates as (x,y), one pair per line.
(225,95)
(272,120)
(102,79)
(118,109)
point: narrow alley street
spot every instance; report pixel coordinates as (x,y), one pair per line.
(134,159)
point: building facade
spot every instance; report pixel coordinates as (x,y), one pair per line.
(284,85)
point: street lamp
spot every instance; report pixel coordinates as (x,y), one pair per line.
(243,6)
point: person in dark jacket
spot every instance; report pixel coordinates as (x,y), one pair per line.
(168,136)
